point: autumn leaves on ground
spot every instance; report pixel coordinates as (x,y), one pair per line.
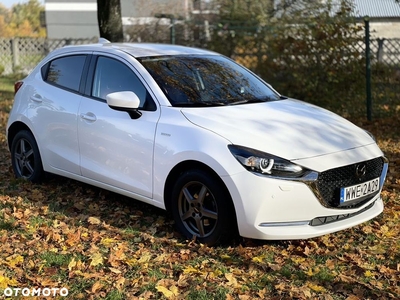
(98,245)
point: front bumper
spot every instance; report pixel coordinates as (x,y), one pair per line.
(276,209)
(287,231)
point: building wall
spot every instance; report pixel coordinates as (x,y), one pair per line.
(78,19)
(66,19)
(387,30)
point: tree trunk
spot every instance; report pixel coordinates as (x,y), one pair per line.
(110,20)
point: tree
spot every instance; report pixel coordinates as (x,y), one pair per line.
(22,20)
(109,19)
(30,12)
(302,47)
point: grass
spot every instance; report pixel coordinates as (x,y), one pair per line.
(55,259)
(6,85)
(48,240)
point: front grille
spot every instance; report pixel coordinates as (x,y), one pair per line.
(330,182)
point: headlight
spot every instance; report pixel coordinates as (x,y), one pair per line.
(264,163)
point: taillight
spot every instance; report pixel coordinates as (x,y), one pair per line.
(17,86)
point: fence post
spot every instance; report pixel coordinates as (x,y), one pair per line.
(14,54)
(368,69)
(172,30)
(379,56)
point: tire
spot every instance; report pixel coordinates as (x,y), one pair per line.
(202,208)
(25,157)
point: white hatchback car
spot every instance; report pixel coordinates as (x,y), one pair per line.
(191,131)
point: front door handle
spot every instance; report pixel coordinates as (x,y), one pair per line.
(89,117)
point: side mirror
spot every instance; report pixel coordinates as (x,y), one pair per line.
(125,101)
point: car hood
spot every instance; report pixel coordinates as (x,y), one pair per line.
(290,129)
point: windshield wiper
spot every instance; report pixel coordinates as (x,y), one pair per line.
(197,104)
(254,100)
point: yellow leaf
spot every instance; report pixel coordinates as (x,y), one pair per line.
(72,264)
(368,273)
(231,279)
(310,272)
(79,272)
(94,221)
(174,289)
(258,259)
(225,256)
(160,258)
(6,282)
(191,270)
(316,288)
(120,283)
(384,229)
(114,270)
(166,292)
(298,260)
(131,261)
(96,287)
(97,259)
(41,267)
(107,241)
(307,293)
(145,257)
(14,260)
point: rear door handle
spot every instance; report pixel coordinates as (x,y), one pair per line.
(36,98)
(89,117)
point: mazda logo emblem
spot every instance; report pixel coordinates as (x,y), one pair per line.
(361,170)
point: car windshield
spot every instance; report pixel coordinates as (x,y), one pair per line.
(206,80)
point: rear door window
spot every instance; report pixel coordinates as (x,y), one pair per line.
(66,72)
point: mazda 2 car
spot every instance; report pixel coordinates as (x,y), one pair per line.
(193,132)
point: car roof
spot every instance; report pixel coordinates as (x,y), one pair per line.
(138,49)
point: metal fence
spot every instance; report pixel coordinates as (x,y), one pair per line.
(23,54)
(385,76)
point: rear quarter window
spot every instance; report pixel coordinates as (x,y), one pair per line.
(65,72)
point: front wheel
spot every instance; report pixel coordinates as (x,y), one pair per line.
(25,157)
(202,208)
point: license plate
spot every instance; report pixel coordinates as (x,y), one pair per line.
(358,191)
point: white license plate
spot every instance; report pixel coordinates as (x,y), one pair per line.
(358,191)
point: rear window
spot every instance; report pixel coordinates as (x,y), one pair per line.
(65,72)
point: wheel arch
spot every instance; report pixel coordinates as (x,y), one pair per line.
(14,129)
(191,165)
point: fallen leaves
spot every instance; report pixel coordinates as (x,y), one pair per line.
(6,281)
(94,221)
(168,288)
(100,245)
(96,259)
(14,260)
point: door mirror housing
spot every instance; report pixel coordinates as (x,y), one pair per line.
(125,101)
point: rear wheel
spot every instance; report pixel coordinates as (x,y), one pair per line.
(25,157)
(202,208)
